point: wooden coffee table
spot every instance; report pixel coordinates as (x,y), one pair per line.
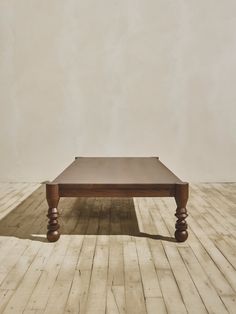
(117,177)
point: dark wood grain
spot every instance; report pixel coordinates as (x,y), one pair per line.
(117,190)
(52,195)
(181,198)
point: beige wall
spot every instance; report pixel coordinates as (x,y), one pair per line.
(118,78)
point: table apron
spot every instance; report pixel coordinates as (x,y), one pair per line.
(111,190)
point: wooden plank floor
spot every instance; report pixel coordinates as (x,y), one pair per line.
(118,255)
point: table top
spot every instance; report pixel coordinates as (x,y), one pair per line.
(117,170)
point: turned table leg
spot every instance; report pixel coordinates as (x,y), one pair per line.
(52,195)
(181,198)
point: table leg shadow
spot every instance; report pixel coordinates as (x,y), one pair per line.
(77,216)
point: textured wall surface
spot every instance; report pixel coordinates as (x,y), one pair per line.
(118,78)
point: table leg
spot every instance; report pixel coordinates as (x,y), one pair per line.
(181,198)
(52,195)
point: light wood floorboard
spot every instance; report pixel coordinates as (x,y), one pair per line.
(118,255)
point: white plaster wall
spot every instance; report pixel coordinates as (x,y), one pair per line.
(118,78)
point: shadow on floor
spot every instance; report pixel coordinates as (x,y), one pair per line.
(78,216)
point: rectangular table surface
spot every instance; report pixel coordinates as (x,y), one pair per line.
(117,170)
